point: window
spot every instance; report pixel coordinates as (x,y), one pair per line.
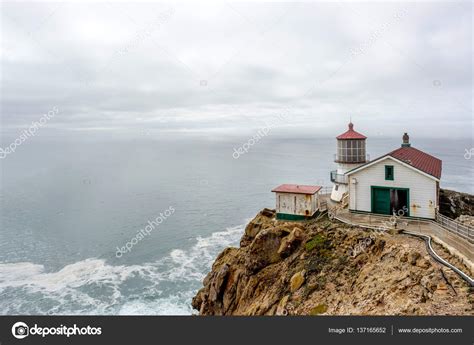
(389,172)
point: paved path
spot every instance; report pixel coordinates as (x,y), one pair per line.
(448,239)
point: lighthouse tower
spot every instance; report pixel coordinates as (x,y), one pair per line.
(350,154)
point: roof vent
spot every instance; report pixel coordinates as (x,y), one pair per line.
(406,140)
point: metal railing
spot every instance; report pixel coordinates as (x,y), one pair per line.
(455,227)
(438,258)
(323,205)
(338,178)
(463,231)
(324,194)
(378,222)
(325,190)
(427,229)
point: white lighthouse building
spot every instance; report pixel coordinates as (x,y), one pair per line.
(350,155)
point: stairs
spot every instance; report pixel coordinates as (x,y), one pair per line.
(345,200)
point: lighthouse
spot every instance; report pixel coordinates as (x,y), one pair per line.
(350,154)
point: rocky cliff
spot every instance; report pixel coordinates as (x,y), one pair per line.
(454,204)
(326,267)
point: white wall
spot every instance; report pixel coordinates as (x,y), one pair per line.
(336,195)
(285,203)
(343,168)
(423,201)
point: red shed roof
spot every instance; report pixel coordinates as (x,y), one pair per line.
(351,134)
(297,188)
(418,159)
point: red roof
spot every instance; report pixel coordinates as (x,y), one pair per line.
(418,159)
(297,188)
(351,134)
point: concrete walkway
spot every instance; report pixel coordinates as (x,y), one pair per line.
(454,244)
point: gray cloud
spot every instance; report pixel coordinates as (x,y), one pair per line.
(229,68)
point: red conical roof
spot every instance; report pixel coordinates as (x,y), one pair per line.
(351,134)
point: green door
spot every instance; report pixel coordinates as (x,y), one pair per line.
(381,200)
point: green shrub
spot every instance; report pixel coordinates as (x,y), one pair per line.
(319,309)
(319,241)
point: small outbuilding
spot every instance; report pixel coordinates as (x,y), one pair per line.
(296,202)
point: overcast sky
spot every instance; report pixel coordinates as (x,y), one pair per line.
(232,67)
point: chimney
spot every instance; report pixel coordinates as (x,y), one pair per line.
(406,140)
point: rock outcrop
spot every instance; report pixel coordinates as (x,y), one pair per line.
(466,220)
(324,267)
(454,204)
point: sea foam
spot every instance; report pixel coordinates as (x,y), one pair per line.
(92,286)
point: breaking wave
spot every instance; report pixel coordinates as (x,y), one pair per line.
(92,286)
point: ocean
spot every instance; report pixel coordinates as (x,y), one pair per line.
(131,225)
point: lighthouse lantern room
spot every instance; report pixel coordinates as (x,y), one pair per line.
(350,154)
